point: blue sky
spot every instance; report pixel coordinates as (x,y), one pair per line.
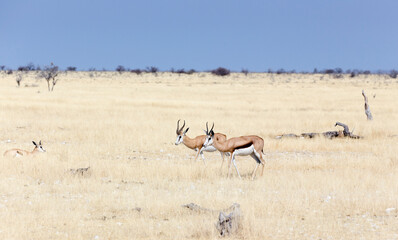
(203,35)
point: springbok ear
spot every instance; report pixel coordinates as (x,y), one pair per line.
(34,143)
(186,130)
(204,131)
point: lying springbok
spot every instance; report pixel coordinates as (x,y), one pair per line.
(15,152)
(238,146)
(197,142)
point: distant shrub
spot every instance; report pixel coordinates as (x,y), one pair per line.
(182,71)
(28,67)
(92,69)
(393,73)
(136,71)
(366,72)
(245,71)
(152,69)
(71,69)
(270,70)
(338,70)
(2,67)
(221,71)
(315,70)
(352,74)
(328,71)
(9,71)
(22,69)
(280,71)
(191,71)
(120,69)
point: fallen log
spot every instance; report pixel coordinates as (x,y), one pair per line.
(329,134)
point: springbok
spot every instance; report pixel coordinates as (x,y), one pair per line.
(238,146)
(197,142)
(15,152)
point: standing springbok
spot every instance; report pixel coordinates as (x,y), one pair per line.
(238,146)
(15,152)
(197,142)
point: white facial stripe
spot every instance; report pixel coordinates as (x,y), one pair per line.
(207,142)
(179,140)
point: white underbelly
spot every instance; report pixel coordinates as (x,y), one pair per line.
(209,149)
(244,151)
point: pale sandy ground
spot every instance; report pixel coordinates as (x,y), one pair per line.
(123,127)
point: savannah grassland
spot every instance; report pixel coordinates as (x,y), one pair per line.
(123,126)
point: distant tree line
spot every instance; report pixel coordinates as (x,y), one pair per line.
(220,71)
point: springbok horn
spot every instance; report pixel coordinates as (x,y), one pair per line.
(178,124)
(182,126)
(207,129)
(212,127)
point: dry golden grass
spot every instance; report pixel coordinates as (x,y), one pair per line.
(123,127)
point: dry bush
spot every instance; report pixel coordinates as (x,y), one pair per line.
(221,71)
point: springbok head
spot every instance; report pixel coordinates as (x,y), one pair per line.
(39,146)
(209,136)
(180,132)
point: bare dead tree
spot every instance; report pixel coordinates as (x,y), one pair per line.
(231,223)
(18,79)
(50,73)
(367,109)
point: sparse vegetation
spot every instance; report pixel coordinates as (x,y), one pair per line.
(50,73)
(152,69)
(136,71)
(393,73)
(71,69)
(221,71)
(28,67)
(120,69)
(182,71)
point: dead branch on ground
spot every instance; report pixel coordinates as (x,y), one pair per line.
(329,134)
